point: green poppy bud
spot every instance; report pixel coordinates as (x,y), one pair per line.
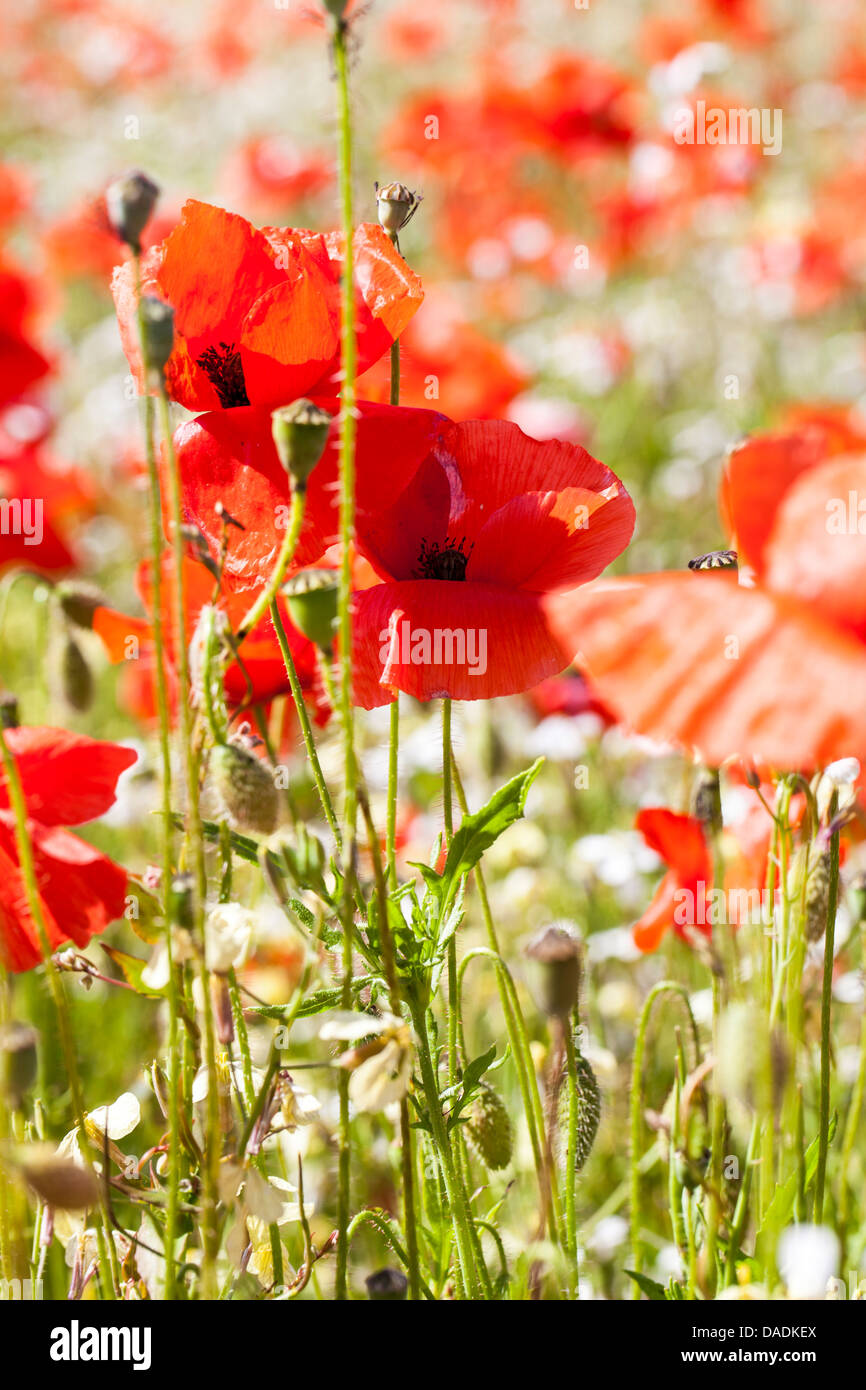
(76,678)
(300,433)
(387,1286)
(311,596)
(488,1128)
(78,602)
(157,328)
(246,788)
(557,949)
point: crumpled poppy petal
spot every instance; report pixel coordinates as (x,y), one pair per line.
(434,638)
(653,925)
(756,476)
(66,778)
(700,661)
(679,840)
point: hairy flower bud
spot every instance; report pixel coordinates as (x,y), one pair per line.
(588,1111)
(78,601)
(488,1128)
(129,201)
(246,788)
(157,330)
(395,206)
(817,897)
(18,1061)
(8,710)
(557,949)
(707,799)
(311,596)
(300,433)
(59,1182)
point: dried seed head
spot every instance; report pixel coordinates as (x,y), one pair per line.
(157,330)
(707,799)
(300,433)
(311,596)
(387,1286)
(557,949)
(395,206)
(18,1061)
(488,1128)
(76,677)
(246,788)
(715,560)
(130,200)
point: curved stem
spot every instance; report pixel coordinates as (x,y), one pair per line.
(284,559)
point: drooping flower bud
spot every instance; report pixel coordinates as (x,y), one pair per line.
(557,949)
(246,788)
(130,200)
(395,206)
(78,601)
(300,433)
(18,1061)
(311,596)
(59,1182)
(8,710)
(157,328)
(488,1128)
(588,1110)
(76,677)
(387,1286)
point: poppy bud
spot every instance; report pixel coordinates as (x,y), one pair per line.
(17,1062)
(8,710)
(130,200)
(76,679)
(488,1128)
(300,433)
(707,800)
(78,602)
(311,596)
(588,1110)
(557,948)
(59,1182)
(180,912)
(715,560)
(395,206)
(157,330)
(387,1286)
(246,788)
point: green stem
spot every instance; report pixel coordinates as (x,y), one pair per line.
(391,826)
(284,559)
(195,834)
(349,360)
(826,1002)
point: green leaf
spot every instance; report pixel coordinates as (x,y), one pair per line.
(780,1210)
(315,1003)
(654,1292)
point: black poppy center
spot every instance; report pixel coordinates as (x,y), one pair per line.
(446,561)
(223,368)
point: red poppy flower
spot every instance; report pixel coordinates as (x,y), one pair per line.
(489,522)
(66,779)
(775,673)
(260,653)
(680,899)
(257,313)
(268,174)
(39,502)
(229,457)
(21,362)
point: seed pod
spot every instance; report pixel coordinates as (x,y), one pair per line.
(59,1182)
(707,799)
(129,201)
(246,788)
(395,206)
(311,596)
(489,1128)
(300,432)
(387,1286)
(76,678)
(817,897)
(557,948)
(18,1061)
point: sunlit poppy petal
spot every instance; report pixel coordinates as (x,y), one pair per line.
(66,778)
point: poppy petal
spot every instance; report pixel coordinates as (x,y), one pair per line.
(679,840)
(658,919)
(756,477)
(703,662)
(66,778)
(434,638)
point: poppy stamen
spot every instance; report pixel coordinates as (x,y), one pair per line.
(446,561)
(222,365)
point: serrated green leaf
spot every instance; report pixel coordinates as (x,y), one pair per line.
(132,968)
